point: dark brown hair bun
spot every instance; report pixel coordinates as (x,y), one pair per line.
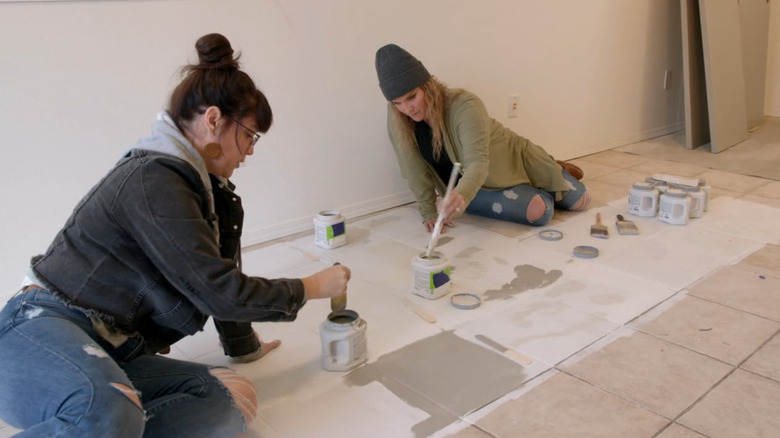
(214,51)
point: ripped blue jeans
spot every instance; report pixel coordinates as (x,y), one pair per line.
(59,377)
(511,204)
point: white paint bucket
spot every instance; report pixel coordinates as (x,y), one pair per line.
(431,277)
(330,229)
(343,336)
(643,199)
(675,207)
(704,187)
(698,200)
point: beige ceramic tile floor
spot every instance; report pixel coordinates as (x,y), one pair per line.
(674,334)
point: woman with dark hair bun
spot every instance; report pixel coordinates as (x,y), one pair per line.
(147,256)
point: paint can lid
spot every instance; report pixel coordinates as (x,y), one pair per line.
(676,193)
(586,252)
(643,186)
(550,235)
(465,301)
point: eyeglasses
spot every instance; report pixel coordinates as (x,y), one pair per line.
(255,135)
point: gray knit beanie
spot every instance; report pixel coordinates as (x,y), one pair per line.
(398,71)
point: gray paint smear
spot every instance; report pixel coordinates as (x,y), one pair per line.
(444,375)
(468,252)
(374,223)
(528,277)
(443,240)
(576,287)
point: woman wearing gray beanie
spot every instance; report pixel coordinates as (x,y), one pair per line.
(503,175)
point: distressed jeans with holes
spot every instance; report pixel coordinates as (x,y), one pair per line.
(58,377)
(511,204)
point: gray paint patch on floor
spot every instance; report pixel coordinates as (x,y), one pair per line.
(468,252)
(500,260)
(374,223)
(357,235)
(444,375)
(443,240)
(528,277)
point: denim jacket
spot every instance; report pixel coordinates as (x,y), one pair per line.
(141,251)
(237,338)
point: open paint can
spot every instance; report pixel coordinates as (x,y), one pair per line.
(330,229)
(431,278)
(343,336)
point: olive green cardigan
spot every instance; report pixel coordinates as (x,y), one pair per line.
(492,157)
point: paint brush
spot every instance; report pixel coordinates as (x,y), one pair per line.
(440,219)
(339,302)
(598,229)
(503,349)
(626,227)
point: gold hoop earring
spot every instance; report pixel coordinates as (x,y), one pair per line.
(212,150)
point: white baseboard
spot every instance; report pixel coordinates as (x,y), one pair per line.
(299,225)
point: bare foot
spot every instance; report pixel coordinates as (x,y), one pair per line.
(269,346)
(265,348)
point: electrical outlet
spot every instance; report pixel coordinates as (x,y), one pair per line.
(667,80)
(514,105)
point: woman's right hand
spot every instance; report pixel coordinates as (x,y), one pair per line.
(328,283)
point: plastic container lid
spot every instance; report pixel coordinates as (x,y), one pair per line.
(644,186)
(465,301)
(586,252)
(676,193)
(550,235)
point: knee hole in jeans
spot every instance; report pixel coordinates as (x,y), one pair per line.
(241,389)
(583,202)
(129,393)
(536,209)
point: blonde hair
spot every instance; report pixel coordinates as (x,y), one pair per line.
(435,94)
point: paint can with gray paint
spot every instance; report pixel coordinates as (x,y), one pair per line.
(344,344)
(431,278)
(330,229)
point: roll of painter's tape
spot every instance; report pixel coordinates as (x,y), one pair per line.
(586,252)
(550,235)
(465,301)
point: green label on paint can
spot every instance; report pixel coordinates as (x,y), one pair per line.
(437,279)
(336,230)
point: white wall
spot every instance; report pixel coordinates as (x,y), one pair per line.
(80,81)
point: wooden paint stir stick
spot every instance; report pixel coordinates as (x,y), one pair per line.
(440,218)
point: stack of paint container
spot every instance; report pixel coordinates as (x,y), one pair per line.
(673,199)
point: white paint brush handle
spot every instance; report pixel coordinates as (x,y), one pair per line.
(440,219)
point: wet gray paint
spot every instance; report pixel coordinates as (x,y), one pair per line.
(443,240)
(357,235)
(574,287)
(444,375)
(527,277)
(373,223)
(500,260)
(468,252)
